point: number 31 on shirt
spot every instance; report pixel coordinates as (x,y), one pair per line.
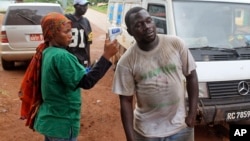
(75,38)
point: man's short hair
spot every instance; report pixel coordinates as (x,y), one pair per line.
(129,12)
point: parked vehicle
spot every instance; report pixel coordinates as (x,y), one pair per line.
(217,33)
(21,31)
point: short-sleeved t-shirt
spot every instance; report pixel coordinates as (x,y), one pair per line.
(59,114)
(157,78)
(81,40)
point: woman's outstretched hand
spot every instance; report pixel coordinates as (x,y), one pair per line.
(110,48)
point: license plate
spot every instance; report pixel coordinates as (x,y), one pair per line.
(36,37)
(236,115)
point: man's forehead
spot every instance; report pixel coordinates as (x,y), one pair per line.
(142,14)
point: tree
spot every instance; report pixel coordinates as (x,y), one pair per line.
(98,1)
(18,1)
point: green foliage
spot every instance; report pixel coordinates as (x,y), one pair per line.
(98,1)
(68,1)
(50,1)
(70,8)
(102,9)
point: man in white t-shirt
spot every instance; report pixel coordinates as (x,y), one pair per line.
(158,70)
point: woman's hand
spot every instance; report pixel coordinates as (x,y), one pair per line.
(110,48)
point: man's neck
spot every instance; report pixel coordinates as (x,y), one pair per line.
(149,46)
(77,16)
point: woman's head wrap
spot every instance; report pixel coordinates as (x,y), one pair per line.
(52,23)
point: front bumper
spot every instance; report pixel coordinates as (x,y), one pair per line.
(17,55)
(215,111)
(10,54)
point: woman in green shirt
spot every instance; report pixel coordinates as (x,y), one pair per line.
(62,76)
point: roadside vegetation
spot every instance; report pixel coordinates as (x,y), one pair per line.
(102,8)
(98,5)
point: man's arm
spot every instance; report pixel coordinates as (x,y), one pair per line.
(126,104)
(193,92)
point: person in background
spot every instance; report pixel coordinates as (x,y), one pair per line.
(56,76)
(82,33)
(157,70)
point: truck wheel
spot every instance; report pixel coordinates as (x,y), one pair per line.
(7,65)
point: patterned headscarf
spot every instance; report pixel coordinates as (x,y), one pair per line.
(30,91)
(51,23)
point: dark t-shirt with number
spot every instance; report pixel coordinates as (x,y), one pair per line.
(81,40)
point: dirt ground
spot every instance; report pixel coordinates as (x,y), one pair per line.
(100,109)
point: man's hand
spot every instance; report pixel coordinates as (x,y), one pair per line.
(190,120)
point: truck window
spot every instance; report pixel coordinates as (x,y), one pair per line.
(158,14)
(220,25)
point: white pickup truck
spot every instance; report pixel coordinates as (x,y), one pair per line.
(217,33)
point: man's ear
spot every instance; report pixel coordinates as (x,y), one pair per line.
(129,32)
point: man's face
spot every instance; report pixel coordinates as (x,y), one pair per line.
(142,27)
(81,9)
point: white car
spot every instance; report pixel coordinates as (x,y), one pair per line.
(21,31)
